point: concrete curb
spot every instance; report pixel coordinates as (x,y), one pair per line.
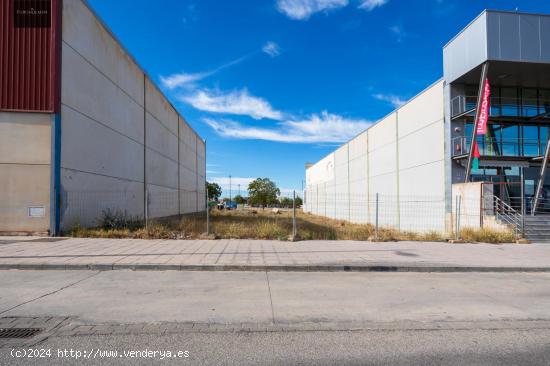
(272,268)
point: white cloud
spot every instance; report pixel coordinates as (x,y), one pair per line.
(370,5)
(177,80)
(394,100)
(323,128)
(184,79)
(272,49)
(238,102)
(303,9)
(398,31)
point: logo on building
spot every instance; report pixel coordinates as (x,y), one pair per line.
(32,13)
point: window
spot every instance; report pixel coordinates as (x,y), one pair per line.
(495,135)
(510,140)
(471,96)
(495,102)
(544,101)
(529,107)
(544,134)
(530,140)
(509,101)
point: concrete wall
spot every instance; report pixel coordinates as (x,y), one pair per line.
(470,196)
(401,158)
(120,135)
(25,156)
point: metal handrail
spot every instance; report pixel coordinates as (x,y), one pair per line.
(543,206)
(498,147)
(506,213)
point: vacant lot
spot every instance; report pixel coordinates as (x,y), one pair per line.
(265,224)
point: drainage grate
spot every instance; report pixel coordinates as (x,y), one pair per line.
(18,332)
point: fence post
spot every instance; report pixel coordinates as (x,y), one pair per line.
(456,217)
(458,204)
(376,220)
(207,214)
(146,209)
(294,215)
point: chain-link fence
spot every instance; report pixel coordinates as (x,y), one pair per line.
(94,208)
(293,215)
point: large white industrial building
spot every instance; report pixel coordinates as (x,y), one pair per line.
(84,129)
(416,159)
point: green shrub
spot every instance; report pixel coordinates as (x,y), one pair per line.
(118,220)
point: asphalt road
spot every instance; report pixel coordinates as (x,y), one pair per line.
(400,318)
(395,347)
(274,297)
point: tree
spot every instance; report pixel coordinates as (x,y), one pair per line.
(214,191)
(287,202)
(240,200)
(262,191)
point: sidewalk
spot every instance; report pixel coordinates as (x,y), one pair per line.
(268,255)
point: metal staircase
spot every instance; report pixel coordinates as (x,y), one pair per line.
(537,228)
(507,215)
(537,225)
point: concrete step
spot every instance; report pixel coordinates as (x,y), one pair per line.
(538,227)
(541,238)
(537,218)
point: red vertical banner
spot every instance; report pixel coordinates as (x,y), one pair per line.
(483,116)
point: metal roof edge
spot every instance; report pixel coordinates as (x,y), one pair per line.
(485,11)
(494,11)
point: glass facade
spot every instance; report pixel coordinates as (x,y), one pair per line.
(506,139)
(510,102)
(510,133)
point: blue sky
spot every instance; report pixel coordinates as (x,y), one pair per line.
(273,84)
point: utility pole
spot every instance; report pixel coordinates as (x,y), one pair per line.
(239,188)
(230,189)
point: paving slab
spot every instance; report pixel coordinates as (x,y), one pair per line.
(270,255)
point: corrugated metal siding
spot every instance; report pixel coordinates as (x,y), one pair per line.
(29,61)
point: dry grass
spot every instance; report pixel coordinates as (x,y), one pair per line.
(264,224)
(487,236)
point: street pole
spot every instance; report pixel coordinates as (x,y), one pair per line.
(230,191)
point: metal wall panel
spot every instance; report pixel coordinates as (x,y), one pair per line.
(29,57)
(518,37)
(467,50)
(529,31)
(509,37)
(545,38)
